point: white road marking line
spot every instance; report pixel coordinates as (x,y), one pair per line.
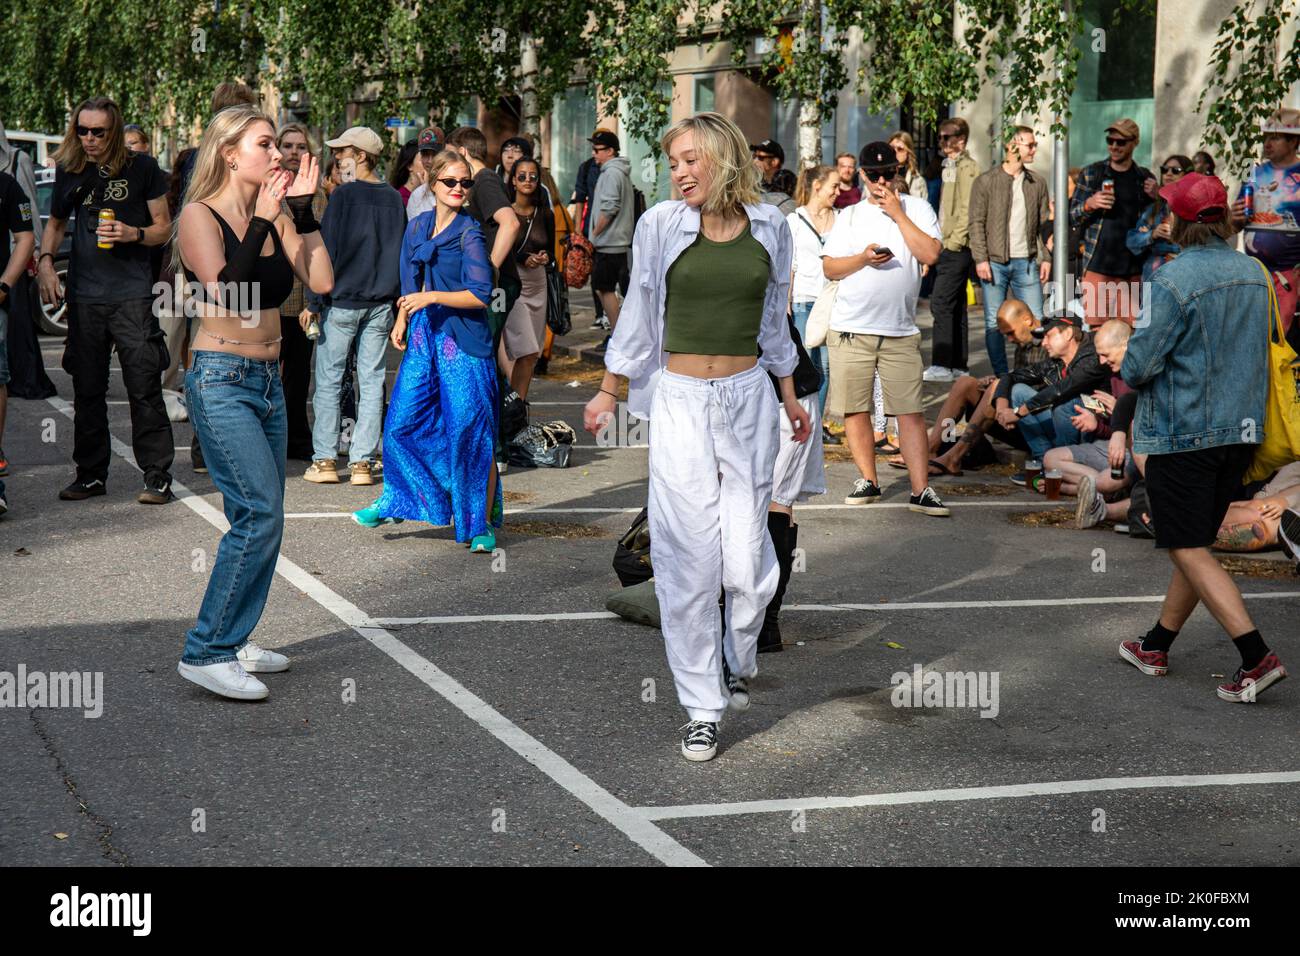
(496,618)
(822,608)
(613,810)
(1012,791)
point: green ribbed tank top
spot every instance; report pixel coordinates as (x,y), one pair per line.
(715,296)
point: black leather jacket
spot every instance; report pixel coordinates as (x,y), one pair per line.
(1055,384)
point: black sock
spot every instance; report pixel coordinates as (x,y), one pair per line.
(1252,648)
(1159,638)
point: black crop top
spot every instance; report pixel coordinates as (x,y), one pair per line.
(261,282)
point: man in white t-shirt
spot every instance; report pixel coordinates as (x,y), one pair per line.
(876,251)
(431,143)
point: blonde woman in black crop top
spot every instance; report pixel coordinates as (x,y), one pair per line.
(703,324)
(241,254)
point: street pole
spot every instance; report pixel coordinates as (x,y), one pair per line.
(1064,282)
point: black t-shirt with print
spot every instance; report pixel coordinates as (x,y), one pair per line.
(487,196)
(1112,257)
(125,271)
(15,212)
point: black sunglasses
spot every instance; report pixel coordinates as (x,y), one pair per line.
(1116,141)
(451,183)
(889,172)
(99,132)
(526,178)
(1172,169)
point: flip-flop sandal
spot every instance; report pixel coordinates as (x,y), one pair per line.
(942,472)
(897,462)
(886,447)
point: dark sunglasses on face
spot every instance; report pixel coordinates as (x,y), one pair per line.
(98,132)
(1173,170)
(526,178)
(451,183)
(874,175)
(1116,141)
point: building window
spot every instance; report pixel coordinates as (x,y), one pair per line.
(649,166)
(573,117)
(704,97)
(1117,58)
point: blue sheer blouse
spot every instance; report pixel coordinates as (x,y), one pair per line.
(455,260)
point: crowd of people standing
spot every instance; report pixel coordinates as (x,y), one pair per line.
(295,270)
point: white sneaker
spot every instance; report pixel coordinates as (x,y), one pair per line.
(228,679)
(1090,506)
(258,660)
(175,403)
(937,373)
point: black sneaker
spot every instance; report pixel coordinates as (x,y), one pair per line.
(737,688)
(928,503)
(1288,533)
(81,490)
(828,438)
(864,492)
(700,740)
(157,491)
(196,456)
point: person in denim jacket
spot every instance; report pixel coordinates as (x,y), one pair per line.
(1198,357)
(1150,237)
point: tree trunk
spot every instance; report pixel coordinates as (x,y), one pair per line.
(810,133)
(807,42)
(529,114)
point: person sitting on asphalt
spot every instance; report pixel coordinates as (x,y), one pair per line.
(1271,518)
(1037,399)
(972,398)
(1087,469)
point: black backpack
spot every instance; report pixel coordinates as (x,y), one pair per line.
(638,206)
(632,553)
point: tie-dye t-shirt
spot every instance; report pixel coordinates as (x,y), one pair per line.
(1273,235)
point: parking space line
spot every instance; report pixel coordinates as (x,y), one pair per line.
(609,807)
(1013,791)
(822,608)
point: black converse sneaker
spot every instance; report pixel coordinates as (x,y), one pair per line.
(865,492)
(700,740)
(928,503)
(737,688)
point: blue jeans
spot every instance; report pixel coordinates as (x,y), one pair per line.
(1020,277)
(338,327)
(819,356)
(237,408)
(1039,430)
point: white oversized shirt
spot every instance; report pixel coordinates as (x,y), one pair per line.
(636,349)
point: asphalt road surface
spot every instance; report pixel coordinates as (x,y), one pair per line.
(447,708)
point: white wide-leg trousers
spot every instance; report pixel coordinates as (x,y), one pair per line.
(713,444)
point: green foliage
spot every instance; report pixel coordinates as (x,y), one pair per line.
(1246,85)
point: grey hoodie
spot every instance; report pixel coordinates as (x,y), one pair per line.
(613,197)
(19,165)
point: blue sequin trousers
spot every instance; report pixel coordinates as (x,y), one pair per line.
(439,435)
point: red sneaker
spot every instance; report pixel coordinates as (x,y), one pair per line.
(1247,685)
(1151,663)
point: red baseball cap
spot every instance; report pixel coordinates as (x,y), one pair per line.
(1197,198)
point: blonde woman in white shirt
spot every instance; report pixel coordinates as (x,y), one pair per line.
(810,224)
(688,345)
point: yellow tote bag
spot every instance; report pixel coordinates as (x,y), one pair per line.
(1281,444)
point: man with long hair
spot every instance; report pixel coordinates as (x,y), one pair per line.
(109,289)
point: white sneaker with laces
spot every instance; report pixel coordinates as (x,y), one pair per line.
(228,679)
(699,740)
(1090,506)
(937,373)
(258,660)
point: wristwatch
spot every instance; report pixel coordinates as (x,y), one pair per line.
(4,288)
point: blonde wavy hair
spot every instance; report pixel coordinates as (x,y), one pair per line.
(211,173)
(725,151)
